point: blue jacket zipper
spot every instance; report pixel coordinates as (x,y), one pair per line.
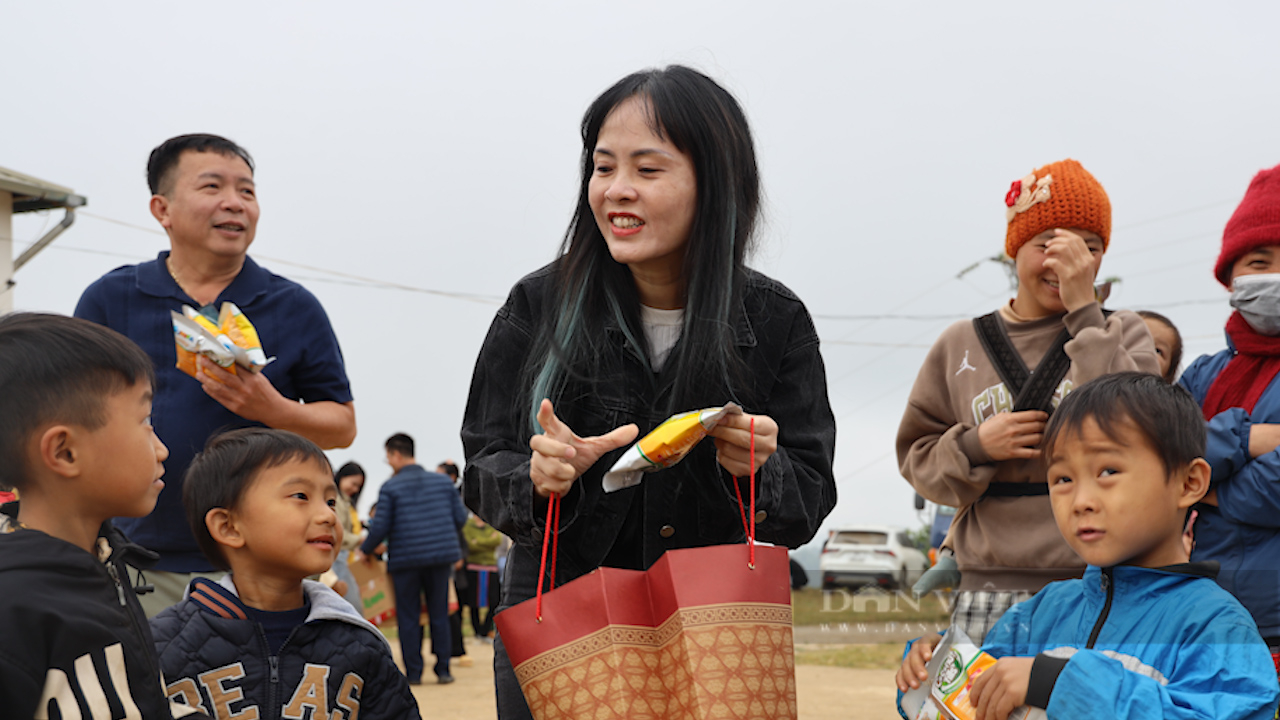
(1109,585)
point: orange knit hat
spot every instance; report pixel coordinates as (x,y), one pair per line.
(1059,195)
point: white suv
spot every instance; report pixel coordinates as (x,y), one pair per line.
(870,554)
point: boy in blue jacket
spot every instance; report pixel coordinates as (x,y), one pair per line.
(1239,520)
(1145,633)
(265,642)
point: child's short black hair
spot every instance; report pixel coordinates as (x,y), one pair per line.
(219,475)
(58,369)
(1166,415)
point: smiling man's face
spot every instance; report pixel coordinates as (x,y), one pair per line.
(209,205)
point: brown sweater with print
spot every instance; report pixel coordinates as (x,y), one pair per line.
(1004,543)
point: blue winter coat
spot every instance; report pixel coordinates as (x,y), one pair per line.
(1136,643)
(1243,532)
(419,515)
(335,663)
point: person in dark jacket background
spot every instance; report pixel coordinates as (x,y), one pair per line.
(419,514)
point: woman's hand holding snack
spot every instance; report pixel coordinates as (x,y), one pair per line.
(1001,688)
(1012,435)
(1069,258)
(912,672)
(733,442)
(560,456)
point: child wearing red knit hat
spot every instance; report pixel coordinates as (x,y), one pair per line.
(970,434)
(1239,520)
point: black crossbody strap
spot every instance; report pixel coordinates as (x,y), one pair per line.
(1030,390)
(1038,393)
(1016,489)
(995,341)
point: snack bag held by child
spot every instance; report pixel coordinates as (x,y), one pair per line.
(666,445)
(956,663)
(232,341)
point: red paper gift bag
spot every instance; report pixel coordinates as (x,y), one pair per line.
(703,633)
(700,634)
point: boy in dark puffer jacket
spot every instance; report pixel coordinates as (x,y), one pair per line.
(265,640)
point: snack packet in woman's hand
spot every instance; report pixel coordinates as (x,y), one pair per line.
(666,445)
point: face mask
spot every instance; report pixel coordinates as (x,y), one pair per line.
(1257,297)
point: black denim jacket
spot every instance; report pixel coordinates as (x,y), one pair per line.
(689,505)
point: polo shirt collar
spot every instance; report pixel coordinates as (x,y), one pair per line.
(154,279)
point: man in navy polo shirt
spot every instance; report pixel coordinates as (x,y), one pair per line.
(203,195)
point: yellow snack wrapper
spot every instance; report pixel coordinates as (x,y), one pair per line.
(956,663)
(232,341)
(193,339)
(665,446)
(243,336)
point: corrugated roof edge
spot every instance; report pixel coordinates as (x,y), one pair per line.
(31,194)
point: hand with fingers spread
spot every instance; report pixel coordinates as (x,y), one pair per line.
(1001,688)
(733,442)
(560,456)
(1012,435)
(1070,258)
(912,672)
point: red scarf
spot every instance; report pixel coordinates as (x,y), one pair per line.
(1242,382)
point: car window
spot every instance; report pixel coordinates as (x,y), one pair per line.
(904,541)
(861,537)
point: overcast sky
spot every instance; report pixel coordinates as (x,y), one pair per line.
(431,148)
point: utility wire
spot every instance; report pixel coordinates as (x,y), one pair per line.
(350,278)
(1180,213)
(926,318)
(866,319)
(857,343)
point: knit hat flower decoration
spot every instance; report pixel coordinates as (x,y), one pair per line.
(1077,202)
(1026,192)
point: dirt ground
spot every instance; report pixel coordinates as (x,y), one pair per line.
(823,693)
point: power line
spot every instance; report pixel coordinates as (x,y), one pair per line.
(343,278)
(866,467)
(1180,213)
(958,316)
(858,343)
(349,278)
(926,318)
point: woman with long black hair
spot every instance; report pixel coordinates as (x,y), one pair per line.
(648,311)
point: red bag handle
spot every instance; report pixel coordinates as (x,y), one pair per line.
(552,538)
(749,529)
(553,515)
